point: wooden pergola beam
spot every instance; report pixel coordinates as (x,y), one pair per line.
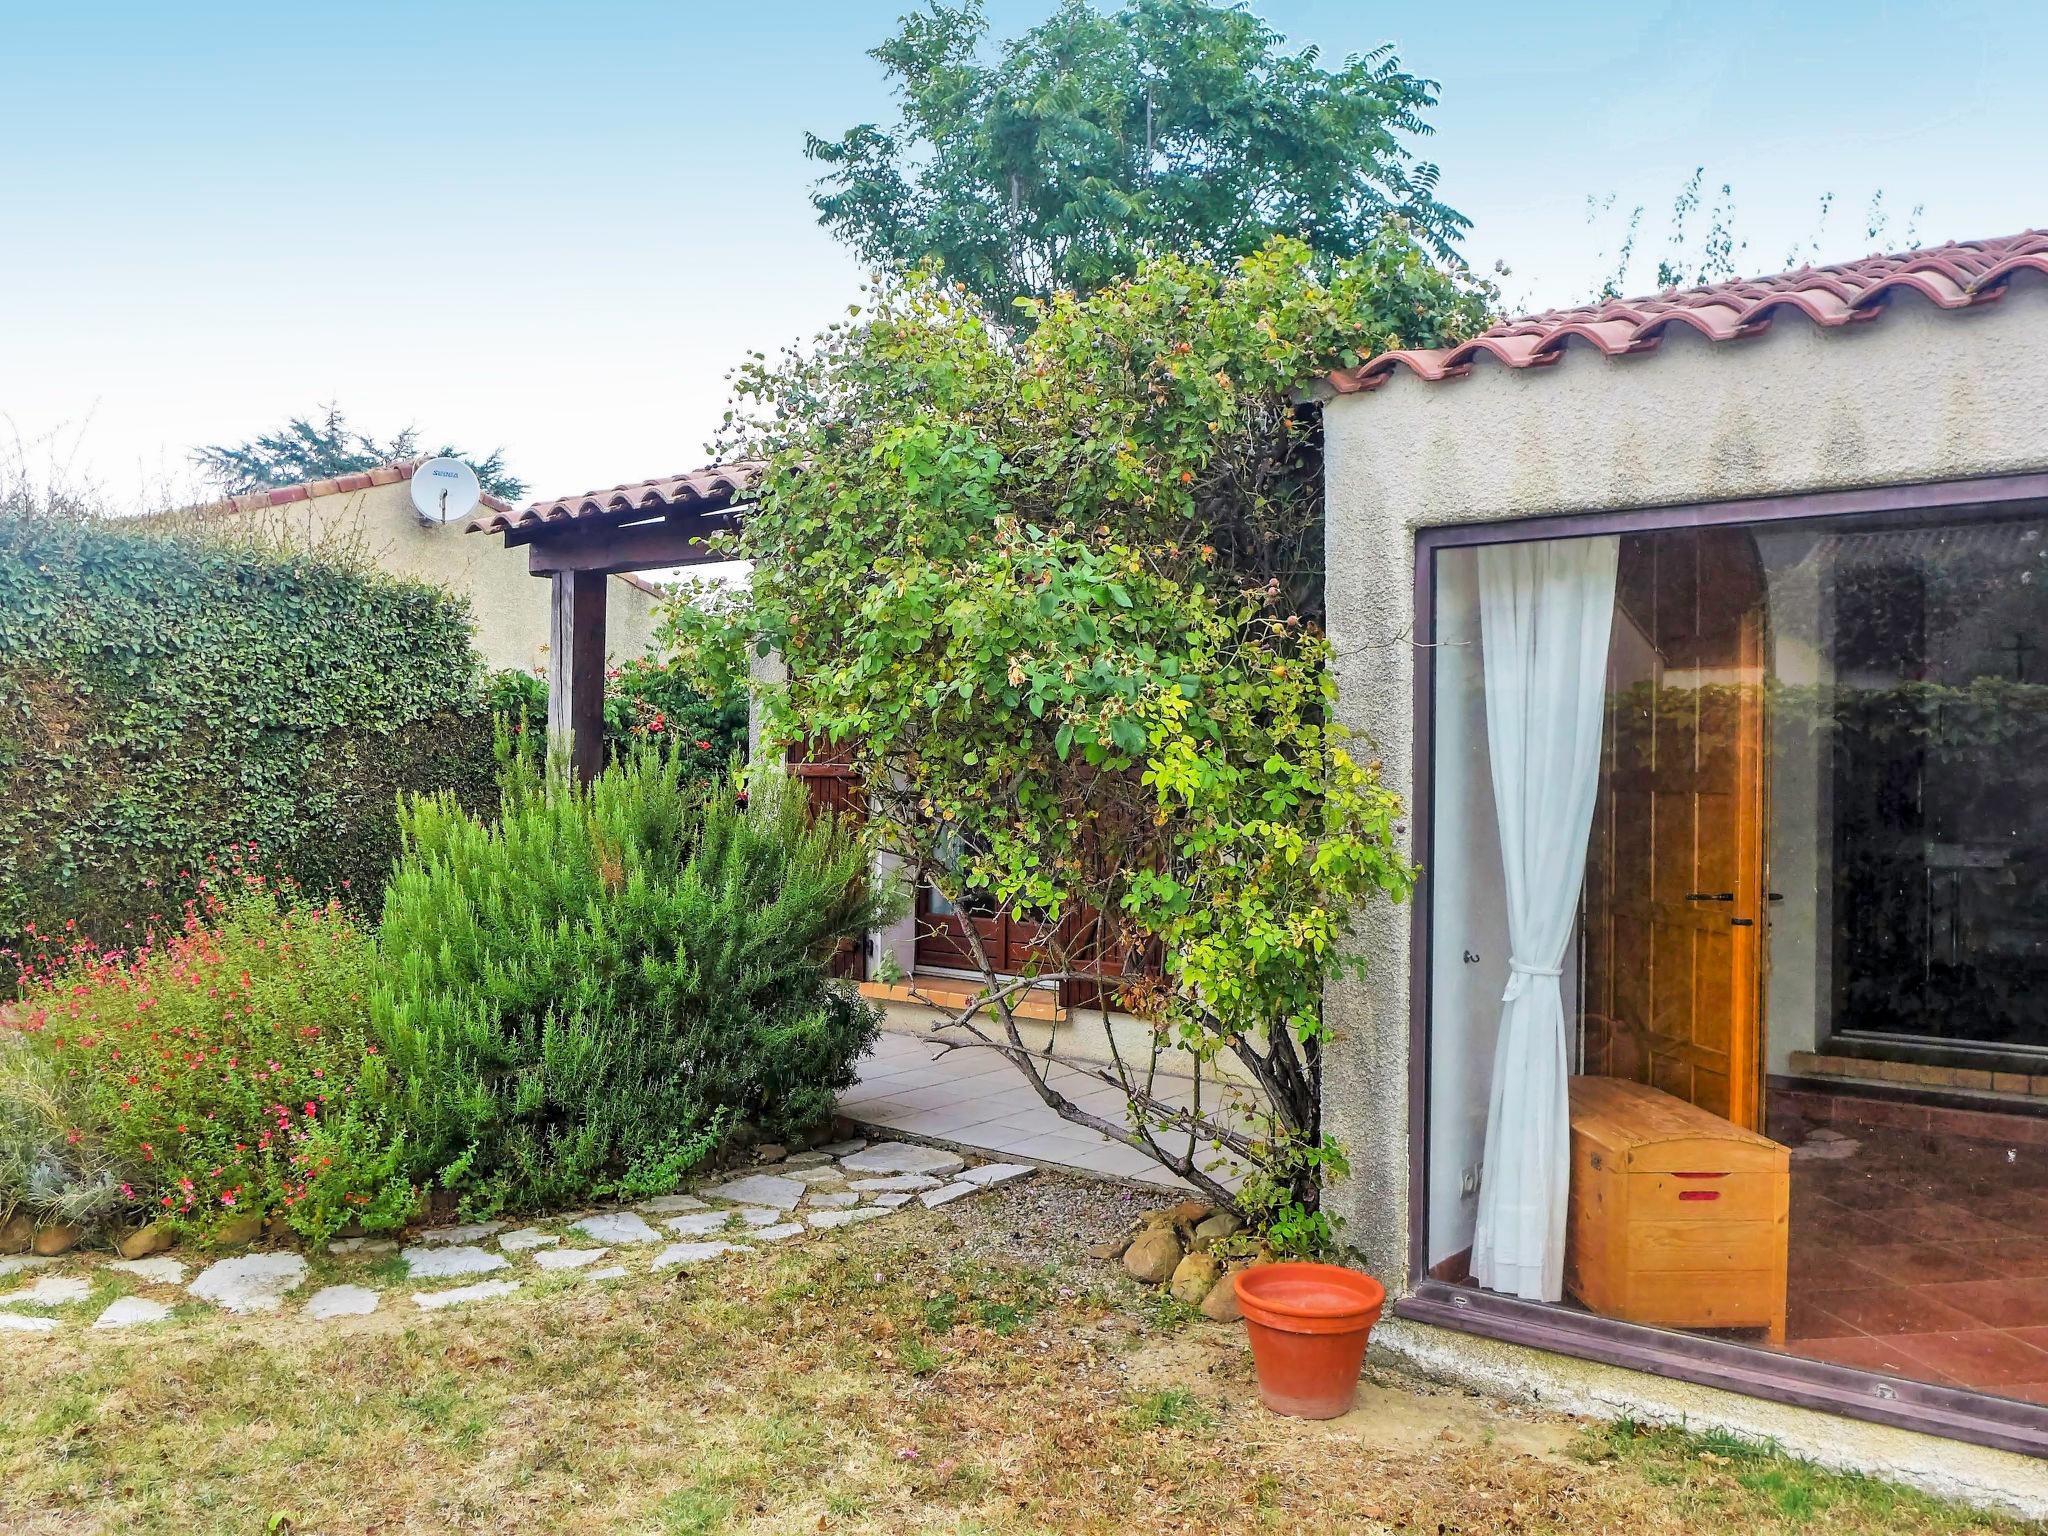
(640,547)
(576,602)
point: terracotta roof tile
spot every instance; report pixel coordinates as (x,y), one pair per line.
(710,489)
(284,495)
(1954,276)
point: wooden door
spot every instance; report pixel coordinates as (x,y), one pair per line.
(832,783)
(1672,992)
(1009,941)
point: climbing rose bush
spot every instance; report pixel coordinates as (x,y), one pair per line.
(225,1062)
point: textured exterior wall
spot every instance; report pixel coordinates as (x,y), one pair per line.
(508,607)
(1913,396)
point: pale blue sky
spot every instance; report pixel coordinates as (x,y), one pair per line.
(554,227)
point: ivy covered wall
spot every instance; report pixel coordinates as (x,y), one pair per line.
(163,695)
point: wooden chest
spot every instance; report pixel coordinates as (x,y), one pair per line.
(1676,1217)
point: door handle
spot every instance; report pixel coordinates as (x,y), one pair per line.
(1741,922)
(1710,896)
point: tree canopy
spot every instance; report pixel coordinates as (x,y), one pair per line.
(1058,598)
(304,449)
(1093,140)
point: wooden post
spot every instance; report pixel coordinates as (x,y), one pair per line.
(576,668)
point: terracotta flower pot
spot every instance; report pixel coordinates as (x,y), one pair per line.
(1308,1325)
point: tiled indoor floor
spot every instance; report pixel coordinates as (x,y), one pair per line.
(975,1099)
(1921,1255)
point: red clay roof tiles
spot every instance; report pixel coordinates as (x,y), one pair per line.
(710,489)
(1954,276)
(388,474)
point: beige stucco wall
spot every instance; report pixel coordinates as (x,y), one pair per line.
(508,607)
(1916,395)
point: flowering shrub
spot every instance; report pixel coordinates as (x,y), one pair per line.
(225,1065)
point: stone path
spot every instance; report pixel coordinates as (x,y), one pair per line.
(810,1193)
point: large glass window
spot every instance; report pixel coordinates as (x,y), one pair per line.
(1738,971)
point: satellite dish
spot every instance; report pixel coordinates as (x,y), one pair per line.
(444,488)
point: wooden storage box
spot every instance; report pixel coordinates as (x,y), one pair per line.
(1676,1217)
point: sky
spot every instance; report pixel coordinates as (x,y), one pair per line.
(554,228)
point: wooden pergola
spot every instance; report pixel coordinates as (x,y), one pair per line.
(579,542)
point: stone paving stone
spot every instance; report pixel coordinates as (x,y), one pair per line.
(617,1227)
(994,1173)
(341,1301)
(131,1312)
(157,1269)
(670,1205)
(14,1322)
(832,1200)
(826,1174)
(891,1200)
(701,1223)
(609,1272)
(778,1232)
(843,1148)
(694,1253)
(760,1215)
(26,1261)
(824,1219)
(483,1290)
(568,1258)
(446,1263)
(525,1238)
(760,1189)
(363,1245)
(902,1157)
(895,1181)
(50,1291)
(934,1198)
(807,1159)
(474,1232)
(253,1282)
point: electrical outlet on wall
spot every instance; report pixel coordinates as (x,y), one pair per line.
(1468,1181)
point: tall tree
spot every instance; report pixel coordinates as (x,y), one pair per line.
(1169,127)
(304,449)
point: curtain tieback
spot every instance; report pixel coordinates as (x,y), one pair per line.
(1519,971)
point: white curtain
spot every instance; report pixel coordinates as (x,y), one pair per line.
(1544,613)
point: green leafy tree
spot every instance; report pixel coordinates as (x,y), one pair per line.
(1168,126)
(304,449)
(1059,600)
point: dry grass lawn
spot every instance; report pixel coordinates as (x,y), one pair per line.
(961,1371)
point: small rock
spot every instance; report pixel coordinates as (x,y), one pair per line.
(1186,1216)
(1153,1255)
(694,1253)
(770,1152)
(832,1200)
(16,1232)
(256,1282)
(1193,1277)
(239,1233)
(1214,1230)
(484,1290)
(50,1291)
(53,1240)
(617,1227)
(525,1238)
(1220,1305)
(903,1157)
(362,1245)
(341,1301)
(446,1263)
(947,1194)
(845,1148)
(14,1322)
(1111,1250)
(995,1173)
(157,1271)
(132,1312)
(144,1241)
(760,1189)
(568,1258)
(671,1205)
(780,1230)
(475,1232)
(911,1182)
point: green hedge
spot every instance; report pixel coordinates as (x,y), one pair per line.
(165,694)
